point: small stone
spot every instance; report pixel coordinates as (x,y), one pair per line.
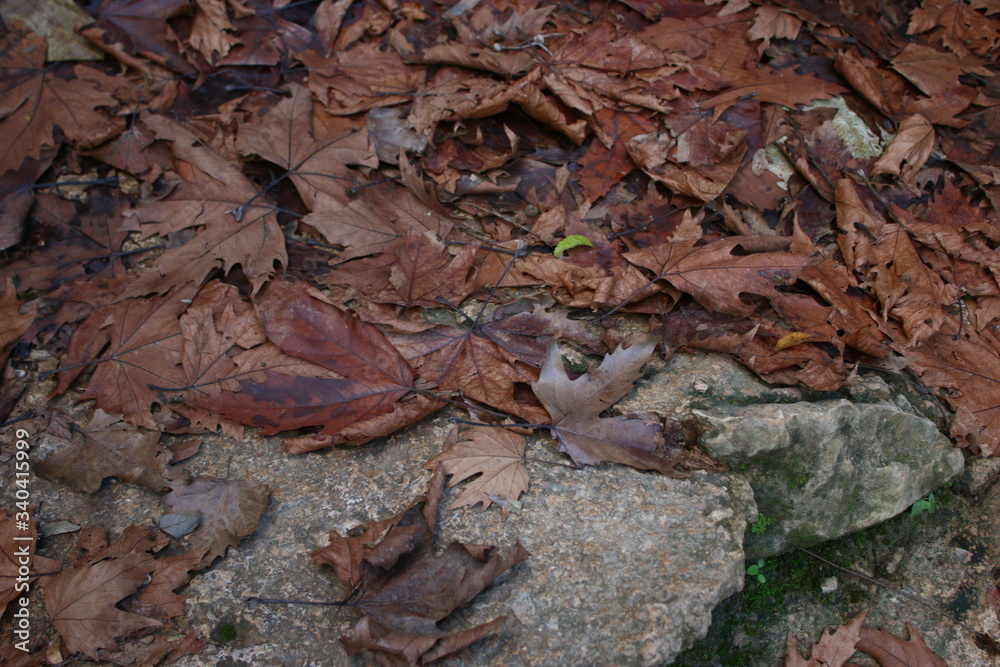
(828,585)
(700,386)
(721,515)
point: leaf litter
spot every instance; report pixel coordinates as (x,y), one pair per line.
(330,222)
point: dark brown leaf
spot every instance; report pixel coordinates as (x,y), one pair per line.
(108,447)
(404,590)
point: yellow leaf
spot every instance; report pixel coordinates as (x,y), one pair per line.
(791,340)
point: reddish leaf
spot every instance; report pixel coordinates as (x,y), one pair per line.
(157,598)
(716,275)
(144,350)
(239,226)
(884,255)
(81,600)
(315,157)
(370,375)
(36,99)
(889,650)
(19,538)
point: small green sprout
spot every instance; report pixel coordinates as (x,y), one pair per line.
(571,241)
(755,571)
(928,504)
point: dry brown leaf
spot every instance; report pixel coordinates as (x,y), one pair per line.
(81,600)
(912,144)
(19,535)
(393,566)
(109,447)
(238,225)
(889,650)
(575,407)
(230,510)
(496,455)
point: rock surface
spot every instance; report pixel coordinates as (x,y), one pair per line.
(826,469)
(625,566)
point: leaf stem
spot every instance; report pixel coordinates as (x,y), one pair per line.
(984,640)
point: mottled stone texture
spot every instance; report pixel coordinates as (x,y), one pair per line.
(825,469)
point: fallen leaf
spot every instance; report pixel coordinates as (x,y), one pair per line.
(230,510)
(889,650)
(144,347)
(36,99)
(20,538)
(496,455)
(576,405)
(404,589)
(81,600)
(238,225)
(108,447)
(912,144)
(833,649)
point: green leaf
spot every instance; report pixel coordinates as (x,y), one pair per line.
(571,241)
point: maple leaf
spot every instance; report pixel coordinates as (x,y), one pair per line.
(108,447)
(287,137)
(210,33)
(969,365)
(716,275)
(81,600)
(935,72)
(466,361)
(423,273)
(496,455)
(888,649)
(230,510)
(34,100)
(404,589)
(15,539)
(157,599)
(832,650)
(883,252)
(575,407)
(239,227)
(144,344)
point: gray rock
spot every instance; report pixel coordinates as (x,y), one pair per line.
(625,568)
(825,469)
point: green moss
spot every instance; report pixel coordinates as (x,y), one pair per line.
(226,632)
(799,481)
(759,526)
